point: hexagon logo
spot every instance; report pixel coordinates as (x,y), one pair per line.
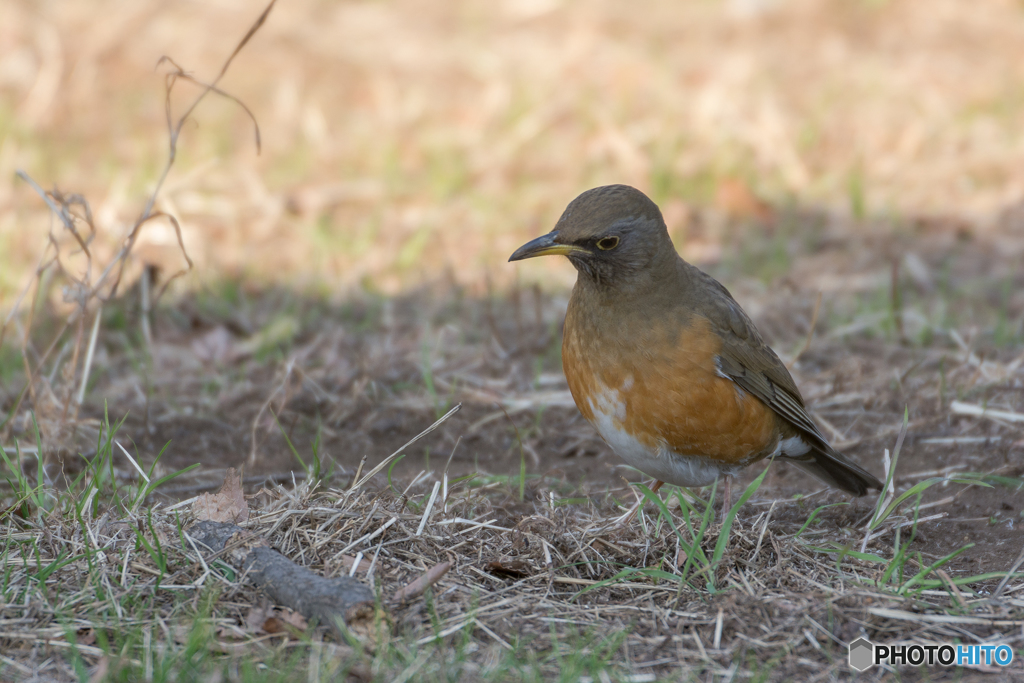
(862,654)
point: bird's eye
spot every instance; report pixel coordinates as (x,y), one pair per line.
(607,243)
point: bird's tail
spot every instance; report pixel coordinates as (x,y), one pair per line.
(836,470)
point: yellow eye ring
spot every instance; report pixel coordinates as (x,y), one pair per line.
(608,243)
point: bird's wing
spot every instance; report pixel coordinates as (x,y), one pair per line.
(746,360)
(750,363)
(753,365)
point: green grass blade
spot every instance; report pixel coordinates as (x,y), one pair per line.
(932,567)
(723,535)
(814,515)
(877,517)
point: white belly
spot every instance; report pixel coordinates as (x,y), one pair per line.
(680,469)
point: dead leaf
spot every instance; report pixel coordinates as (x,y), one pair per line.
(347,560)
(266,619)
(285,621)
(295,619)
(516,569)
(14,510)
(273,625)
(227,505)
(255,618)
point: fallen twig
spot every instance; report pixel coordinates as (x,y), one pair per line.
(342,602)
(420,585)
(961,408)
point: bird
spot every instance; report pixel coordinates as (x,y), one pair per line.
(665,364)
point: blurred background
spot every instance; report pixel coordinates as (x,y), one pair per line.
(350,281)
(408,140)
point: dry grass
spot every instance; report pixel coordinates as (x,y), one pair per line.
(541,591)
(397,136)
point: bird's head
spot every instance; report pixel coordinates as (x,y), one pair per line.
(613,234)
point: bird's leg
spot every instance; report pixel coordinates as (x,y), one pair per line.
(726,497)
(628,517)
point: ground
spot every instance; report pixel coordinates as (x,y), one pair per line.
(850,172)
(363,376)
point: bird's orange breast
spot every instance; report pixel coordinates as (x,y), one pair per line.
(658,382)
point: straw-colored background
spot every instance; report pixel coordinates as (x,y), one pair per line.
(404,138)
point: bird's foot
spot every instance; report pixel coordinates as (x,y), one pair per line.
(726,499)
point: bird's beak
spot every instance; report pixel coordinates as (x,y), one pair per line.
(545,246)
